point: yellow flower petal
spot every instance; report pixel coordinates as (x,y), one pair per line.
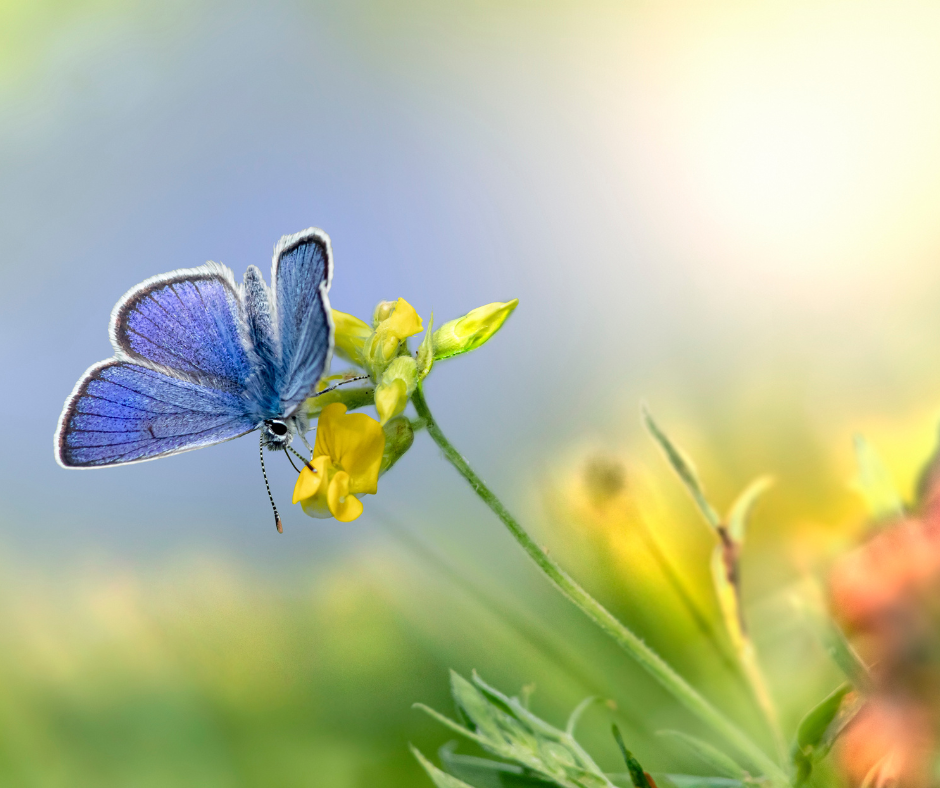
(308,483)
(404,321)
(315,503)
(354,442)
(344,506)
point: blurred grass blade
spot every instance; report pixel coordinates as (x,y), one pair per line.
(637,774)
(743,507)
(809,602)
(684,468)
(719,761)
(440,779)
(729,603)
(875,483)
(694,781)
(727,599)
(845,656)
(575,715)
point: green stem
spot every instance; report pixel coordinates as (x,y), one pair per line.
(648,659)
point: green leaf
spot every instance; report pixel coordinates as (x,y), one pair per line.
(494,720)
(637,775)
(683,467)
(813,736)
(813,727)
(875,483)
(440,779)
(743,507)
(717,760)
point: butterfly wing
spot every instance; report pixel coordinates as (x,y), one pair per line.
(177,380)
(300,279)
(190,322)
(121,412)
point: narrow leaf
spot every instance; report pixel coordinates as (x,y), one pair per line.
(743,507)
(448,722)
(814,725)
(484,773)
(683,467)
(575,715)
(717,760)
(637,775)
(875,483)
(727,600)
(440,779)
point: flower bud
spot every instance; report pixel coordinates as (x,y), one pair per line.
(426,350)
(383,311)
(472,330)
(395,322)
(397,384)
(399,435)
(349,337)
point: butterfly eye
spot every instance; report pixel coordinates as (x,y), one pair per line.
(279,428)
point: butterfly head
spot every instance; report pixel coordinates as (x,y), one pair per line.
(277,434)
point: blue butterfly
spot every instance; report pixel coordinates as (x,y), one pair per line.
(199,359)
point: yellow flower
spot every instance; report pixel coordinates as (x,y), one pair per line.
(350,335)
(347,455)
(394,323)
(472,330)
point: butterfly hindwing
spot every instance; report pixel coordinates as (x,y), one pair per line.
(300,279)
(121,412)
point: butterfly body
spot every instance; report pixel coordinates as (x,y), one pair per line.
(200,359)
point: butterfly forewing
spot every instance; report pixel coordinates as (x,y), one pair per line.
(301,274)
(189,322)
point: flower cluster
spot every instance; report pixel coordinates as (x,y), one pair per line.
(886,594)
(351,451)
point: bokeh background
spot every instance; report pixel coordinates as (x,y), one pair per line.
(728,209)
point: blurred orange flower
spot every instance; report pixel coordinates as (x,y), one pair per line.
(886,594)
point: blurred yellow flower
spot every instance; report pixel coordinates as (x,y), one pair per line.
(347,455)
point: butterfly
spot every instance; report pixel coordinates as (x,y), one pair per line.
(200,359)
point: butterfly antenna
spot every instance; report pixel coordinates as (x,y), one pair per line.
(287,454)
(341,383)
(264,473)
(300,457)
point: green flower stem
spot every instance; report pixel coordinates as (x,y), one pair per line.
(648,659)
